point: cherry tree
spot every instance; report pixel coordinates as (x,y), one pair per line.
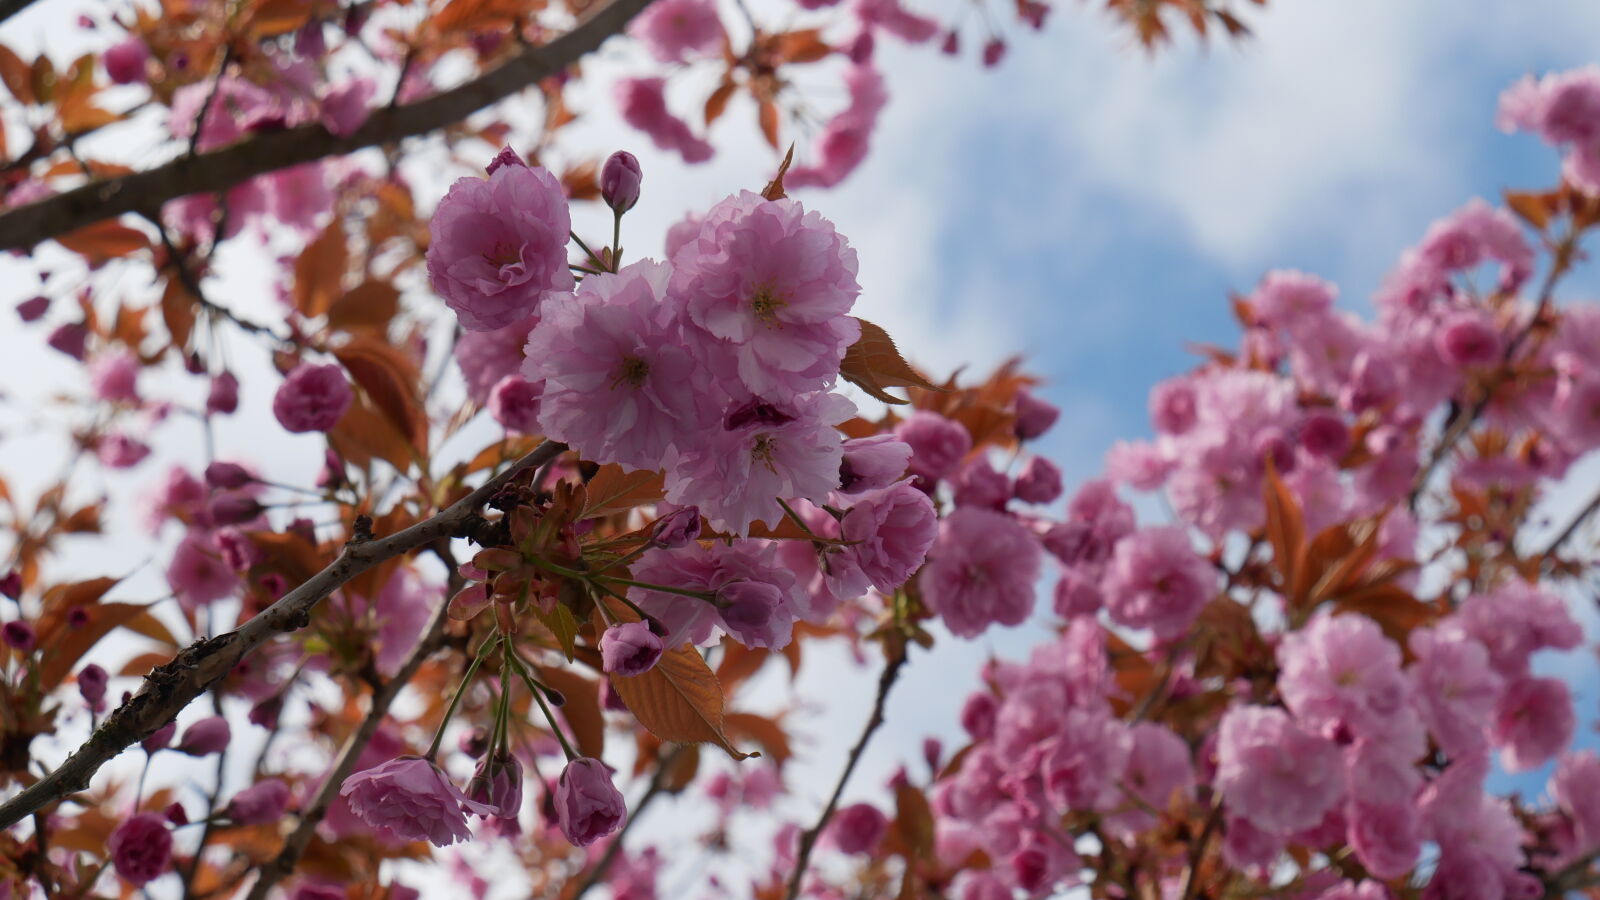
(1296,686)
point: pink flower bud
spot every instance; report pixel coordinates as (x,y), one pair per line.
(19,635)
(160,738)
(176,814)
(223,397)
(752,614)
(1325,435)
(978,715)
(92,686)
(474,743)
(871,463)
(11,584)
(228,476)
(77,617)
(141,848)
(588,806)
(858,828)
(993,52)
(514,403)
(1039,482)
(497,785)
(71,339)
(33,310)
(619,181)
(951,45)
(265,714)
(1468,340)
(677,528)
(1034,416)
(629,648)
(231,509)
(205,737)
(258,804)
(312,398)
(125,62)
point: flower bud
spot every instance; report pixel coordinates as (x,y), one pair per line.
(176,814)
(497,784)
(587,805)
(858,828)
(228,476)
(232,509)
(993,52)
(258,804)
(71,339)
(11,584)
(224,395)
(205,737)
(125,62)
(77,617)
(141,848)
(1033,416)
(312,398)
(19,635)
(265,714)
(92,686)
(160,738)
(677,528)
(33,310)
(871,463)
(619,181)
(629,648)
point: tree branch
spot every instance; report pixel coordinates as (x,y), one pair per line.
(808,841)
(171,687)
(145,192)
(281,865)
(9,8)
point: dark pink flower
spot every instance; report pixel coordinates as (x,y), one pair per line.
(205,737)
(643,104)
(198,574)
(92,680)
(588,805)
(891,530)
(938,445)
(19,635)
(345,107)
(514,404)
(858,828)
(678,30)
(410,799)
(223,398)
(125,62)
(312,398)
(981,571)
(1157,581)
(141,848)
(115,377)
(33,309)
(499,246)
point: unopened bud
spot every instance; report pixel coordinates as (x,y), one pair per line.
(619,181)
(677,528)
(228,476)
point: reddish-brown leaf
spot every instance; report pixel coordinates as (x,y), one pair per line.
(1533,208)
(17,75)
(390,380)
(271,18)
(319,272)
(769,122)
(803,46)
(613,490)
(764,731)
(68,645)
(104,241)
(370,305)
(717,103)
(1286,532)
(873,363)
(774,188)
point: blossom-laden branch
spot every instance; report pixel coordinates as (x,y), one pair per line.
(808,841)
(295,846)
(145,192)
(171,687)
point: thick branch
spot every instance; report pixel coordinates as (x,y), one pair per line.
(9,8)
(145,192)
(282,864)
(171,687)
(808,841)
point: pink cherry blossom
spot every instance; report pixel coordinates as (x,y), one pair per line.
(115,376)
(198,575)
(938,445)
(630,648)
(892,530)
(774,283)
(871,463)
(1455,688)
(1155,580)
(514,403)
(588,805)
(857,828)
(1274,773)
(1340,671)
(312,398)
(981,571)
(1533,722)
(643,104)
(619,384)
(678,30)
(258,804)
(486,357)
(498,247)
(141,848)
(410,799)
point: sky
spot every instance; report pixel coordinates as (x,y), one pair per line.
(1090,207)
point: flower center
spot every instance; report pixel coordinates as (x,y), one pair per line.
(633,371)
(765,304)
(763,449)
(503,254)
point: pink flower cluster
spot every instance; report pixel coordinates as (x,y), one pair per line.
(1564,109)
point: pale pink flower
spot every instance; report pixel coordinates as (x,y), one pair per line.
(1290,299)
(258,804)
(747,593)
(1533,722)
(619,385)
(1455,688)
(764,452)
(1156,580)
(980,571)
(410,799)
(115,376)
(346,106)
(1515,620)
(198,575)
(499,246)
(486,357)
(775,284)
(938,445)
(678,30)
(1342,672)
(1387,838)
(643,104)
(1279,776)
(892,17)
(1575,788)
(891,531)
(857,828)
(842,144)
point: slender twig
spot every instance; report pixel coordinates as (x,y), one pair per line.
(191,282)
(1463,423)
(173,686)
(808,841)
(281,865)
(1571,877)
(23,226)
(1197,853)
(1572,527)
(211,97)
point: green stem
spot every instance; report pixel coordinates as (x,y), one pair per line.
(520,667)
(592,257)
(616,240)
(450,711)
(698,595)
(789,511)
